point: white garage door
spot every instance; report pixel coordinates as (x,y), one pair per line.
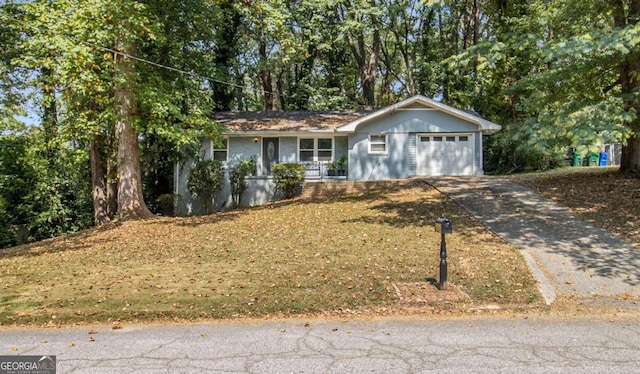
(445,154)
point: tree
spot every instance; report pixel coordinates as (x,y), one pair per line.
(361,29)
(130,199)
(105,92)
(627,20)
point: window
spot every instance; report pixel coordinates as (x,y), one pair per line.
(451,138)
(219,150)
(325,149)
(306,149)
(316,149)
(463,138)
(424,138)
(437,138)
(377,143)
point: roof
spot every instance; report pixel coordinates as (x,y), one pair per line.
(333,121)
(423,101)
(285,121)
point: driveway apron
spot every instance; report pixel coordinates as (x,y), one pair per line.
(567,255)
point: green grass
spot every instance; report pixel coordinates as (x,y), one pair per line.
(318,255)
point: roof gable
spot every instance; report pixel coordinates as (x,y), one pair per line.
(422,102)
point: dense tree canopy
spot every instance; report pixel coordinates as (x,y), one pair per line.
(119,90)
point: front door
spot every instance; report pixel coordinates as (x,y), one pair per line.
(270,153)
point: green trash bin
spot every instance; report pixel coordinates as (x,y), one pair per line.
(577,159)
(593,159)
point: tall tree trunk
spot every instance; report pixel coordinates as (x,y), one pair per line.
(98,180)
(630,82)
(226,48)
(282,95)
(265,75)
(443,47)
(366,67)
(112,175)
(369,76)
(50,117)
(131,204)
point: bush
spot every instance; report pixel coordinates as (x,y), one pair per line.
(288,178)
(204,180)
(166,204)
(237,180)
(506,154)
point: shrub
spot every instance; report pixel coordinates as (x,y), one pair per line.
(204,180)
(288,178)
(166,203)
(237,180)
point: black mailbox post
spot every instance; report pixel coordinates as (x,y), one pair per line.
(443,226)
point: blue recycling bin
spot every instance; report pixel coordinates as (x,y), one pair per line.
(604,159)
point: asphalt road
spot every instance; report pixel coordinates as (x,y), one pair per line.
(458,345)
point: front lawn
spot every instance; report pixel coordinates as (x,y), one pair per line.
(601,196)
(340,253)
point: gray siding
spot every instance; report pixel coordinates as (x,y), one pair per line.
(412,162)
(401,128)
(418,121)
(392,165)
(243,149)
(259,191)
(288,149)
(341,146)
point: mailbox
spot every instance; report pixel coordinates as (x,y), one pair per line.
(443,225)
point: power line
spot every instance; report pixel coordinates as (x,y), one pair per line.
(139,59)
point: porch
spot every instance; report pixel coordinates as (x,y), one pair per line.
(316,171)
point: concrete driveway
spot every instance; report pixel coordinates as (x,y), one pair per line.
(568,256)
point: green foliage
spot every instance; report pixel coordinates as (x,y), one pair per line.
(166,203)
(237,179)
(288,178)
(505,153)
(49,199)
(205,178)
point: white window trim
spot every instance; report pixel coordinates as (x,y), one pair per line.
(386,144)
(214,149)
(444,135)
(315,147)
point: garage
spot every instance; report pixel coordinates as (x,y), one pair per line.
(445,154)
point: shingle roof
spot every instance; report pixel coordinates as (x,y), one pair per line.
(305,121)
